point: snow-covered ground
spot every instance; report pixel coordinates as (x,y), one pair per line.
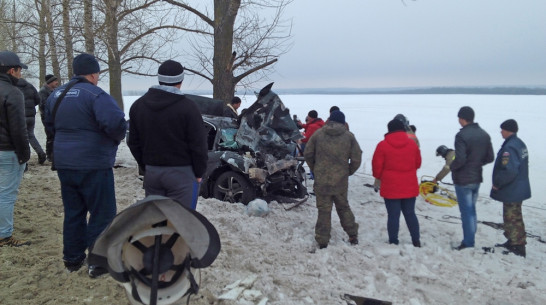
(277,252)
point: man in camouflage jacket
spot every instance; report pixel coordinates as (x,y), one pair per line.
(333,154)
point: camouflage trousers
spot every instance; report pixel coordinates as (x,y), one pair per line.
(514,228)
(324,219)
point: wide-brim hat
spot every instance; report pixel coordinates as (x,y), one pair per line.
(124,248)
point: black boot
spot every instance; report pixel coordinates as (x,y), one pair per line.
(42,158)
(506,244)
(417,244)
(516,249)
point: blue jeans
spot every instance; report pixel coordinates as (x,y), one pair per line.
(85,191)
(407,207)
(11,173)
(467,195)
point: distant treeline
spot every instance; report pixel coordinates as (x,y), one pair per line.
(432,90)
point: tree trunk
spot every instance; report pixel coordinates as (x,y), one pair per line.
(114,59)
(88,26)
(225,13)
(42,36)
(68,37)
(53,44)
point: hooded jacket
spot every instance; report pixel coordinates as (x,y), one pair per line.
(166,129)
(88,127)
(32,98)
(333,154)
(473,149)
(395,163)
(13,128)
(511,172)
(310,128)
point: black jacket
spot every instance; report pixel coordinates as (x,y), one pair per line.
(166,129)
(473,149)
(44,93)
(13,128)
(32,98)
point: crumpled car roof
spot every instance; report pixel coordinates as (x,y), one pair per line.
(267,127)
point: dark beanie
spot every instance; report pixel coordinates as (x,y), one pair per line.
(337,116)
(170,73)
(50,78)
(466,113)
(510,125)
(85,64)
(396,125)
(313,114)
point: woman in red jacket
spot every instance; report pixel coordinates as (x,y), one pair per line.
(395,162)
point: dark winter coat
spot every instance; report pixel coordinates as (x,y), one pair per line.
(166,129)
(511,172)
(473,149)
(44,93)
(88,127)
(310,128)
(13,128)
(230,112)
(333,154)
(32,98)
(395,163)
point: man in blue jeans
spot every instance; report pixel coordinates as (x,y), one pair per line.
(14,148)
(87,127)
(473,149)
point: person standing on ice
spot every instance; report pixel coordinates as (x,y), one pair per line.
(473,149)
(333,154)
(395,163)
(511,186)
(167,138)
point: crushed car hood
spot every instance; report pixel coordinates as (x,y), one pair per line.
(267,127)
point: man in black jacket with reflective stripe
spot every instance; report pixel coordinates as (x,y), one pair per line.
(167,138)
(473,149)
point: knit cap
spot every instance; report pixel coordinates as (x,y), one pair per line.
(337,116)
(510,125)
(85,64)
(170,72)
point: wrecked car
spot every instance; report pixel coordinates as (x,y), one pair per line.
(252,157)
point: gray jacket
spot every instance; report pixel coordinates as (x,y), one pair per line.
(13,128)
(473,149)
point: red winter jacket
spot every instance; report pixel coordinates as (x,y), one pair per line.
(310,128)
(395,162)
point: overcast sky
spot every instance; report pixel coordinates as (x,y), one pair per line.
(394,43)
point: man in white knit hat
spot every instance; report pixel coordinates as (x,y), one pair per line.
(167,138)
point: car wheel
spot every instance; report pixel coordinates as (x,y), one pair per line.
(233,187)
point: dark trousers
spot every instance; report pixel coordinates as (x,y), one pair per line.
(85,191)
(407,207)
(30,121)
(176,182)
(49,142)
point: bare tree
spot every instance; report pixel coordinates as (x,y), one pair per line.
(237,45)
(130,35)
(88,26)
